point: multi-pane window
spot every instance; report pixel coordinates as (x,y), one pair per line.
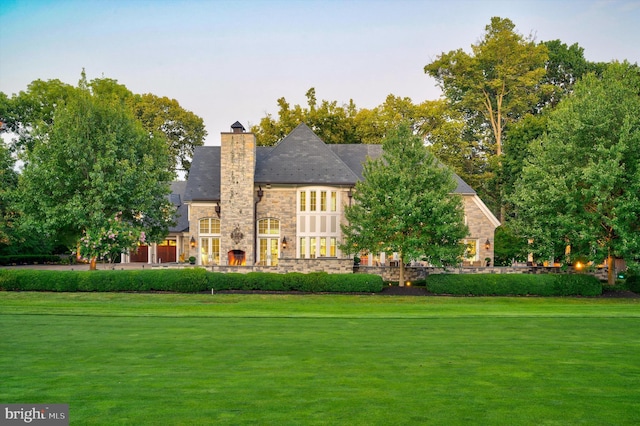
(268,241)
(318,222)
(209,241)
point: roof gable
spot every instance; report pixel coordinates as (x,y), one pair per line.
(204,175)
(303,158)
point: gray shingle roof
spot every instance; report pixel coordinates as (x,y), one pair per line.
(204,176)
(300,158)
(303,158)
(177,197)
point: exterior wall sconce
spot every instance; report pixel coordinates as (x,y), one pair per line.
(192,242)
(284,243)
(350,195)
(260,193)
(487,244)
(218,209)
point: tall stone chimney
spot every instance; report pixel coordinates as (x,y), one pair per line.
(237,169)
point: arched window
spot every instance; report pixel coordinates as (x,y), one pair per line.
(268,241)
(209,241)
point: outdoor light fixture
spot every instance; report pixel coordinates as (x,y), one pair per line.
(218,209)
(350,195)
(487,244)
(260,192)
(193,242)
(284,243)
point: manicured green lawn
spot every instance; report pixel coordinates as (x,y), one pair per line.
(307,360)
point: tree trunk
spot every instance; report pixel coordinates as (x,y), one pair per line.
(611,270)
(401,280)
(92,264)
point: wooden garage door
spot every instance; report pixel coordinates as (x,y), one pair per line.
(167,251)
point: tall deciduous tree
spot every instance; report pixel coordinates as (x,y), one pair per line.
(28,116)
(333,123)
(406,205)
(500,80)
(96,164)
(581,185)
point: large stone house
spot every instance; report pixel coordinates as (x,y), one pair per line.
(281,206)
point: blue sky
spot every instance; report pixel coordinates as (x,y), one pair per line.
(231,60)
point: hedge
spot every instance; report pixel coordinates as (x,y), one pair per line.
(313,282)
(514,284)
(633,281)
(176,280)
(188,280)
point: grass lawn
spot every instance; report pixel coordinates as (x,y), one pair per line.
(315,360)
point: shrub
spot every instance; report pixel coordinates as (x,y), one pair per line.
(633,281)
(310,283)
(514,284)
(176,280)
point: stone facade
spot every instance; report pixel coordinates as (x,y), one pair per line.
(237,167)
(482,225)
(252,187)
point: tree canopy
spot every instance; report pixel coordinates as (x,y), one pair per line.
(500,80)
(95,165)
(581,185)
(406,205)
(29,115)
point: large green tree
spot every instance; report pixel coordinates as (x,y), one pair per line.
(581,185)
(28,116)
(500,81)
(97,165)
(406,205)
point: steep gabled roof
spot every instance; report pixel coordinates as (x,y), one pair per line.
(300,158)
(204,175)
(303,158)
(356,155)
(177,197)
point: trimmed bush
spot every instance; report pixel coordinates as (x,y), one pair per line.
(632,281)
(176,280)
(514,284)
(310,283)
(191,280)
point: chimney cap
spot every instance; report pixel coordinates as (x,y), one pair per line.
(237,127)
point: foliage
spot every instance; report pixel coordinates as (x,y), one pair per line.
(310,283)
(97,162)
(500,81)
(406,205)
(8,182)
(514,284)
(333,123)
(581,185)
(182,129)
(29,116)
(509,247)
(188,280)
(176,280)
(109,241)
(28,259)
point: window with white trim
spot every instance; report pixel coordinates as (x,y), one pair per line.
(209,241)
(268,241)
(318,221)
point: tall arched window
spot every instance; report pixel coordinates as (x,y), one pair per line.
(209,241)
(268,241)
